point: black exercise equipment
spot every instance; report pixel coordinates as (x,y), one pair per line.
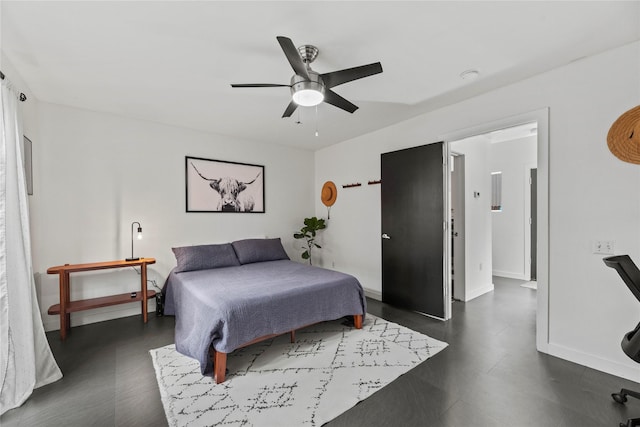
(630,275)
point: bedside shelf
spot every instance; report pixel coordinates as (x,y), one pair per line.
(87,304)
(66,306)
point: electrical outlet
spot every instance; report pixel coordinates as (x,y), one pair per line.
(604,247)
(596,247)
(608,246)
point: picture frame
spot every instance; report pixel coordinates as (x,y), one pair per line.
(27,152)
(223,187)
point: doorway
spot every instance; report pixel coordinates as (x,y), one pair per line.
(475,196)
(494,209)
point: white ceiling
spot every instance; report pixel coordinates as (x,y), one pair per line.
(172,62)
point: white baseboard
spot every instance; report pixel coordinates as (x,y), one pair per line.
(376,295)
(475,293)
(510,275)
(630,372)
(51,324)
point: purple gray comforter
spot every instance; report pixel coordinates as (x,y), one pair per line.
(230,306)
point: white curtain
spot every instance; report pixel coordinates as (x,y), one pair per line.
(26,361)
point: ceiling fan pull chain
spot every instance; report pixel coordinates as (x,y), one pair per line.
(316,120)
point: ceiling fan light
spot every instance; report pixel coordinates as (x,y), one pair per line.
(308,97)
(307,93)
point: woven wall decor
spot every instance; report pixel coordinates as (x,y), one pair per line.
(623,138)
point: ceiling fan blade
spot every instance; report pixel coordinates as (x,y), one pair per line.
(290,109)
(257,85)
(336,78)
(330,97)
(293,56)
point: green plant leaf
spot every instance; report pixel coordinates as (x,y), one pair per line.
(308,232)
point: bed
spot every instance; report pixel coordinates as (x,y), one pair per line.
(228,296)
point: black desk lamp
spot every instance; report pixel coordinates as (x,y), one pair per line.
(139,238)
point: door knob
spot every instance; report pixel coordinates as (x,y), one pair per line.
(385,236)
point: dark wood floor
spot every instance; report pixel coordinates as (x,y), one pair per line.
(490,375)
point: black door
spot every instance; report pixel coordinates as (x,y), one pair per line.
(412,226)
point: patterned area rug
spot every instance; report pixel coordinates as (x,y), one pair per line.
(329,369)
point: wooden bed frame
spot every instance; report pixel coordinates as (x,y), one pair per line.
(219,359)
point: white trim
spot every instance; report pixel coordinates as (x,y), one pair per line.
(475,293)
(51,325)
(446,235)
(543,241)
(629,372)
(376,295)
(510,275)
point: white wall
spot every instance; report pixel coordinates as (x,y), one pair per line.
(592,196)
(94,174)
(510,227)
(477,218)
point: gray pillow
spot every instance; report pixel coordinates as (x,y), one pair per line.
(203,257)
(259,250)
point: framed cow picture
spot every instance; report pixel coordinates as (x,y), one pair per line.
(221,186)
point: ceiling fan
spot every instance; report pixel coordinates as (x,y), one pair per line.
(309,88)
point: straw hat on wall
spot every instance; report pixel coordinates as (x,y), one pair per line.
(329,194)
(623,138)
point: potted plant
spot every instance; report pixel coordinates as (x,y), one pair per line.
(308,233)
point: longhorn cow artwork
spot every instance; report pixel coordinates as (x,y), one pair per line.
(218,186)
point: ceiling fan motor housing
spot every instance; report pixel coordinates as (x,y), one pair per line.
(308,52)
